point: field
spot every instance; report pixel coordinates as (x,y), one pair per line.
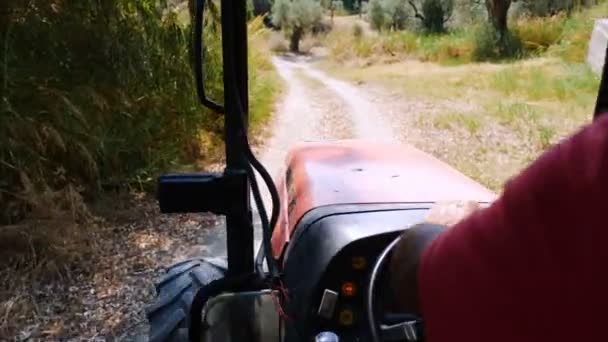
(497,116)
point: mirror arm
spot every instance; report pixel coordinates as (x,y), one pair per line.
(198,59)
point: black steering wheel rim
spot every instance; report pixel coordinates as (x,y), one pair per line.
(410,328)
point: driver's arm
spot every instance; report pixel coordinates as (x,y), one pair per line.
(532,267)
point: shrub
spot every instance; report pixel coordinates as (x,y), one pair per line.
(452,48)
(295,18)
(364,8)
(113,104)
(547,8)
(574,43)
(490,45)
(357,31)
(98,112)
(338,8)
(376,15)
(400,43)
(436,14)
(538,34)
(395,12)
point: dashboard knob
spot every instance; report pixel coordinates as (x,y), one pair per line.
(327,336)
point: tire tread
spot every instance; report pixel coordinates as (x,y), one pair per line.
(169,314)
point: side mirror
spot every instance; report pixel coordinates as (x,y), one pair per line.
(197,42)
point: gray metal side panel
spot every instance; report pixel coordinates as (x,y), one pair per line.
(597,45)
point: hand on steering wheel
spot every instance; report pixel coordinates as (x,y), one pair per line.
(405,253)
(451,212)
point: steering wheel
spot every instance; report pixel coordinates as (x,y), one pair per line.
(410,329)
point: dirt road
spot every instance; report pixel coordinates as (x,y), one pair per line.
(317,107)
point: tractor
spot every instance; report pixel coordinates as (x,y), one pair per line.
(338,208)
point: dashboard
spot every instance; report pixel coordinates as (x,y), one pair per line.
(346,280)
(328,263)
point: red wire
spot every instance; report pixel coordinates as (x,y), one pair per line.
(280,295)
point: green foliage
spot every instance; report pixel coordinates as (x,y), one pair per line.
(295,18)
(391,14)
(335,7)
(98,109)
(99,94)
(546,8)
(559,82)
(452,48)
(574,43)
(563,36)
(376,15)
(281,13)
(395,12)
(454,120)
(263,80)
(339,9)
(490,45)
(435,14)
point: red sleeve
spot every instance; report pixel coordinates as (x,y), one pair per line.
(531,267)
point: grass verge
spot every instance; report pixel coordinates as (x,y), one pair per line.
(559,36)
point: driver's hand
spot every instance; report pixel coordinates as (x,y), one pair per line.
(407,253)
(451,212)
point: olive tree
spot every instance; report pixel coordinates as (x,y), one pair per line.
(433,14)
(545,8)
(495,41)
(396,13)
(376,15)
(295,18)
(498,11)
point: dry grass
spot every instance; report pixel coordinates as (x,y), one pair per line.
(498,117)
(103,291)
(566,37)
(277,42)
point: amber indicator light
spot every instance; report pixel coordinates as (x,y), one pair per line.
(349,289)
(358,263)
(346,317)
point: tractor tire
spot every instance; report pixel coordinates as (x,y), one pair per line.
(169,315)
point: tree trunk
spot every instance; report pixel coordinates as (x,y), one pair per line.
(497,13)
(294,40)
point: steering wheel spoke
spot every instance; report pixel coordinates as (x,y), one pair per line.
(405,331)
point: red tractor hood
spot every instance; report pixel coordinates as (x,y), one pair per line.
(356,172)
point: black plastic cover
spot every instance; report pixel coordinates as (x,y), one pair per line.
(320,236)
(198,192)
